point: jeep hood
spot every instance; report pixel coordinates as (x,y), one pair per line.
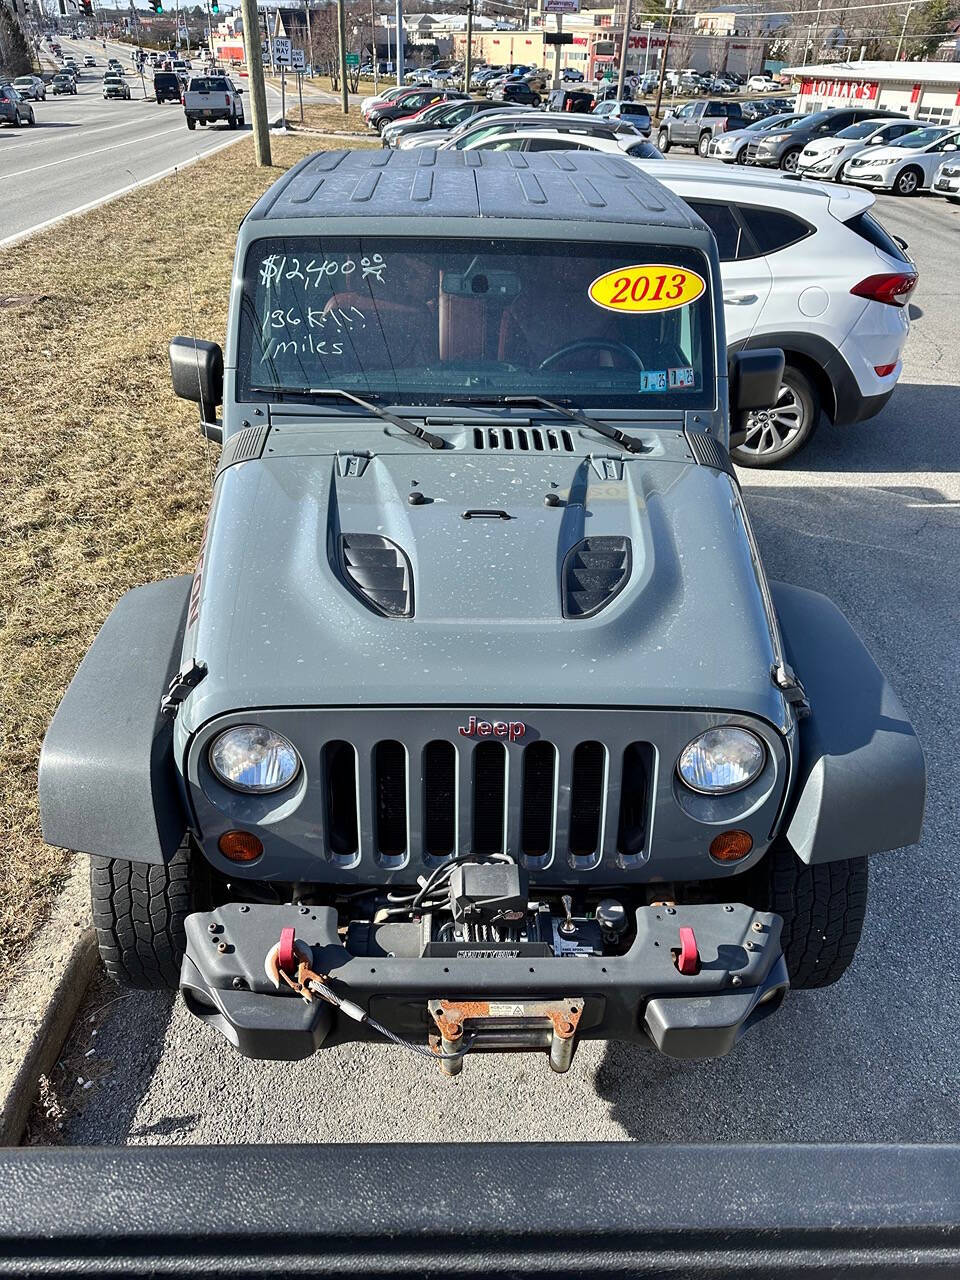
(276,624)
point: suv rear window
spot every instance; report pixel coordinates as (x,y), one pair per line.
(726,228)
(870,229)
(772,228)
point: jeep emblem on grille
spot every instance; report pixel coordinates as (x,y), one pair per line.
(474,728)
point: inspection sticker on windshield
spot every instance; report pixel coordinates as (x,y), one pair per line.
(653,380)
(681,377)
(655,287)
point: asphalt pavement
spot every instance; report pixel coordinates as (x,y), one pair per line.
(84,149)
(868,514)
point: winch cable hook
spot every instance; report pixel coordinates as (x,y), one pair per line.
(289,956)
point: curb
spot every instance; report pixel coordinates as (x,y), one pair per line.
(39,1010)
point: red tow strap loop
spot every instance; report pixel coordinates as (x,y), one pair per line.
(286,951)
(688,961)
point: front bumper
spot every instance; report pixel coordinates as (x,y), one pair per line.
(502,1000)
(946,185)
(871,177)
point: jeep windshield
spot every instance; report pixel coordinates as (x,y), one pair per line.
(417,322)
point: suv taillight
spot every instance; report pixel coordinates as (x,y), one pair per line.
(893,288)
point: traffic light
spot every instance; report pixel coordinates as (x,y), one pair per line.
(214,6)
(156,6)
(87,7)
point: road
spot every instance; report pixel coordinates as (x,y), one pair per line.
(83,149)
(871,516)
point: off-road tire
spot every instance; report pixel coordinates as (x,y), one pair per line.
(138,913)
(703,146)
(822,907)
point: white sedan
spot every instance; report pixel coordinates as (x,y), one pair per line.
(825,158)
(905,166)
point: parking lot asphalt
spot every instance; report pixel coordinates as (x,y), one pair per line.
(869,515)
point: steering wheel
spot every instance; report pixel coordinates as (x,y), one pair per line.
(593,344)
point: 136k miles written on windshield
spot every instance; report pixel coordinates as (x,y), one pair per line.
(420,321)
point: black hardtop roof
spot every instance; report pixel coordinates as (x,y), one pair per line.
(548,186)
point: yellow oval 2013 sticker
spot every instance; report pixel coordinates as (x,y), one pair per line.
(646,288)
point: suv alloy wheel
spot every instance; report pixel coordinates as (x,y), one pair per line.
(775,434)
(788,161)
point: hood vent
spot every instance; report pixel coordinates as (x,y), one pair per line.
(379,572)
(594,571)
(523,439)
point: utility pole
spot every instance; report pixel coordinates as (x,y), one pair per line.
(557,50)
(666,53)
(903,32)
(376,54)
(399,42)
(256,86)
(816,30)
(306,7)
(342,53)
(468,56)
(624,45)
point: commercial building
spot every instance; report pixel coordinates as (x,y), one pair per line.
(928,91)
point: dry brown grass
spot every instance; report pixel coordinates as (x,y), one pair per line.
(104,478)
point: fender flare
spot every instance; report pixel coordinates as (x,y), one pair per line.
(107,780)
(861,780)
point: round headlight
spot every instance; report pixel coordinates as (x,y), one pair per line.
(252,758)
(721,760)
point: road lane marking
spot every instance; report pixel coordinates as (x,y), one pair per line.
(87,133)
(85,155)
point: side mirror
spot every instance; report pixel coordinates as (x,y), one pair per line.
(755,378)
(196,369)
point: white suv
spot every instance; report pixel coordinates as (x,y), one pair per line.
(807,268)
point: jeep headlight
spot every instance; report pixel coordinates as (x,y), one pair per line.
(250,757)
(721,760)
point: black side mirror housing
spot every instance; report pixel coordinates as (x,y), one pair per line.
(196,369)
(755,378)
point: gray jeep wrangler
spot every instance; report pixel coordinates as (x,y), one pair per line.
(478,725)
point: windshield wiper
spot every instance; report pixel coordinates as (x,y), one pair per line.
(411,428)
(630,443)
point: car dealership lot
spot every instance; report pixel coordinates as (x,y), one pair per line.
(871,515)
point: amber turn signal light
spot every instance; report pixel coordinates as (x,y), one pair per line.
(731,846)
(240,846)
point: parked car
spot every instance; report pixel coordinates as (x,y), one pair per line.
(905,166)
(212,98)
(782,147)
(489,111)
(63,82)
(946,179)
(569,138)
(778,239)
(408,104)
(438,120)
(31,87)
(695,124)
(826,158)
(115,86)
(570,100)
(571,74)
(559,122)
(15,110)
(736,752)
(634,113)
(731,147)
(762,83)
(385,95)
(515,91)
(757,109)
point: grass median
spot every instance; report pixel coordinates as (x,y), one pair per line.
(105,479)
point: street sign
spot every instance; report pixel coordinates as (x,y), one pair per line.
(558,37)
(353,59)
(561,6)
(281,51)
(299,61)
